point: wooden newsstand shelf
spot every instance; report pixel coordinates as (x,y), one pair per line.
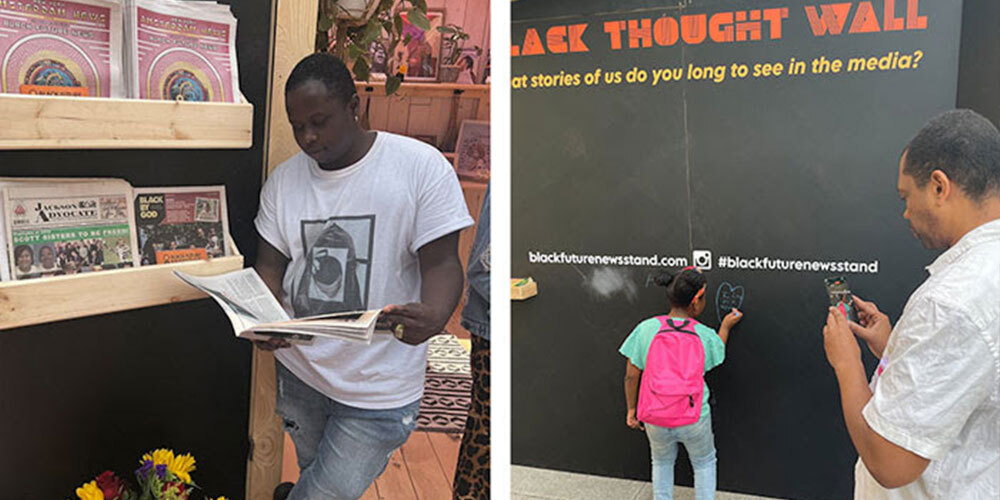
(35,301)
(44,122)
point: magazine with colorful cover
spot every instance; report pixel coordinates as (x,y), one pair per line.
(61,47)
(176,224)
(68,228)
(183,51)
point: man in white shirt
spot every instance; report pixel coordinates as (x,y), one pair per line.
(358,220)
(928,425)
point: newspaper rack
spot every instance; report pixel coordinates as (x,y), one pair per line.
(44,300)
(47,122)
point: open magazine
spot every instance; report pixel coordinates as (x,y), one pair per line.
(256,315)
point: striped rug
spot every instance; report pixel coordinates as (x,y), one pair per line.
(447,387)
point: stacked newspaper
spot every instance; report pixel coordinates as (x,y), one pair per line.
(181,51)
(65,226)
(177,224)
(68,47)
(58,226)
(256,315)
(146,49)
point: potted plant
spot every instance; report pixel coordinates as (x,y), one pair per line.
(452,41)
(351,28)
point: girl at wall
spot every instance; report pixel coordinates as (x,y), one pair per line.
(666,353)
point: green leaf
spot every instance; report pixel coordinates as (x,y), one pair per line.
(420,4)
(354,51)
(392,84)
(372,33)
(406,39)
(361,68)
(418,19)
(397,22)
(325,23)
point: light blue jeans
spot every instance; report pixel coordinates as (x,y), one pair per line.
(340,449)
(699,442)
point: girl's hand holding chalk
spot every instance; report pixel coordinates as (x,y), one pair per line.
(732,318)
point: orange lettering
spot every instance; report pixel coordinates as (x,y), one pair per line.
(555,39)
(576,38)
(832,20)
(532,44)
(665,31)
(865,20)
(891,22)
(614,29)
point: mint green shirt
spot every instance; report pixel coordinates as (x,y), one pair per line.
(636,347)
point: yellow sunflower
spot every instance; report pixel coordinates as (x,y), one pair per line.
(90,491)
(181,466)
(159,457)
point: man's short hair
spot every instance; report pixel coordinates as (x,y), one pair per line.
(328,70)
(962,144)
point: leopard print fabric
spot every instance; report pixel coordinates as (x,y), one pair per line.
(472,475)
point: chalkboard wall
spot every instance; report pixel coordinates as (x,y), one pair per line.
(797,168)
(81,396)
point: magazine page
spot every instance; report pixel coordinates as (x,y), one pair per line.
(62,48)
(60,229)
(358,326)
(243,296)
(176,224)
(184,52)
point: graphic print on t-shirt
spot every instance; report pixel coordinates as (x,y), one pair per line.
(337,270)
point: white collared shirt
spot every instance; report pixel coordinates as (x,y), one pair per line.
(937,391)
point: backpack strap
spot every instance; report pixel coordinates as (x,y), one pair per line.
(668,325)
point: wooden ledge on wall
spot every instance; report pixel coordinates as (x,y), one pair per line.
(47,122)
(427,89)
(44,300)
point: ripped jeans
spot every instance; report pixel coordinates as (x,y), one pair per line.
(340,449)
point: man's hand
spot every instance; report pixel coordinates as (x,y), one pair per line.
(842,350)
(632,421)
(412,323)
(874,328)
(271,344)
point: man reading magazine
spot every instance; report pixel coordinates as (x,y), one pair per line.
(358,220)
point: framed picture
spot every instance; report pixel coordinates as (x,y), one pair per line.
(380,57)
(468,61)
(472,155)
(423,54)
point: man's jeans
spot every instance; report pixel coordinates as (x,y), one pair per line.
(340,449)
(700,445)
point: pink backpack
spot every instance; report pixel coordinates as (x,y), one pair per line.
(673,380)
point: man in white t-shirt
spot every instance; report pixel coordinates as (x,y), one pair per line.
(358,220)
(928,425)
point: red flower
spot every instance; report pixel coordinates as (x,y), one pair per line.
(110,485)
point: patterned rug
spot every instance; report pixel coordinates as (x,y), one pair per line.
(447,387)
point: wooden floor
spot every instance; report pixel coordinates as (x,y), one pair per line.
(423,469)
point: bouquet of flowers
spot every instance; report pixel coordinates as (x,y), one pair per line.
(161,476)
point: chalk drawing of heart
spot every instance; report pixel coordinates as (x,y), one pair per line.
(726,298)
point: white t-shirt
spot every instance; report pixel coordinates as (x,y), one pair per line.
(936,392)
(352,237)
